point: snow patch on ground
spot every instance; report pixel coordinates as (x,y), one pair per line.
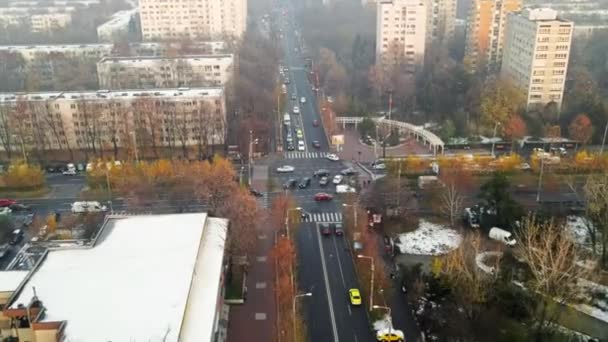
(480,258)
(576,226)
(381,325)
(598,308)
(429,239)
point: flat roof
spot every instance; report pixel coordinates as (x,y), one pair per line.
(148,278)
(105,95)
(10,280)
(144,59)
(119,19)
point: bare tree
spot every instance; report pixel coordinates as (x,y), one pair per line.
(451,202)
(201,128)
(554,274)
(56,126)
(182,127)
(596,193)
(6,129)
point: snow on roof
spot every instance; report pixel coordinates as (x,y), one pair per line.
(135,283)
(119,19)
(107,95)
(10,280)
(141,60)
(204,291)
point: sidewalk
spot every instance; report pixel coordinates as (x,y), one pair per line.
(255,321)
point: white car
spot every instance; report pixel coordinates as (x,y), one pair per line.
(296,109)
(302,99)
(301,146)
(332,157)
(69,172)
(88,207)
(338,179)
(379,166)
(286,168)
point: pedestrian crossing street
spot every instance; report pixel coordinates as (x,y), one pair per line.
(304,155)
(323,217)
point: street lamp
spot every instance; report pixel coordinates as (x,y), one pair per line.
(371,292)
(295,326)
(355,213)
(251,143)
(604,139)
(287,218)
(494,138)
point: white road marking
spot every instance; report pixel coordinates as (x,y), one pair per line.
(327,290)
(339,262)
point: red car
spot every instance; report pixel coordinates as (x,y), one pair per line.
(315,123)
(325,229)
(5,202)
(322,196)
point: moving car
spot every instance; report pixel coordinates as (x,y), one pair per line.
(296,110)
(315,123)
(294,96)
(316,144)
(390,335)
(285,168)
(355,296)
(321,173)
(301,146)
(16,237)
(338,179)
(304,183)
(323,181)
(322,196)
(302,99)
(338,229)
(332,157)
(87,207)
(325,229)
(69,172)
(299,133)
(5,202)
(289,138)
(344,188)
(379,166)
(291,183)
(291,147)
(348,172)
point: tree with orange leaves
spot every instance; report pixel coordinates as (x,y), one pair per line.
(581,129)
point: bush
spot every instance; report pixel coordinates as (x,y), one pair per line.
(22,176)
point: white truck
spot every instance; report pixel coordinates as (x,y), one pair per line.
(502,236)
(87,207)
(344,188)
(286,119)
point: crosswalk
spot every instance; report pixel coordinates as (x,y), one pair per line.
(323,217)
(304,155)
(264,200)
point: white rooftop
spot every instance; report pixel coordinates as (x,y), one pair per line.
(172,93)
(149,278)
(156,59)
(10,280)
(536,14)
(119,19)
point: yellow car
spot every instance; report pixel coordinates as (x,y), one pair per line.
(299,134)
(390,335)
(355,296)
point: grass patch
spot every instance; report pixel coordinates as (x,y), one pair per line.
(35,193)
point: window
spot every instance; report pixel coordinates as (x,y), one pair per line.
(73,106)
(542,48)
(558,72)
(561,55)
(541,56)
(559,64)
(539,73)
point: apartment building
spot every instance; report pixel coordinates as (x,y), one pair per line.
(44,19)
(99,119)
(163,72)
(175,19)
(117,29)
(441,17)
(485,33)
(536,54)
(401,32)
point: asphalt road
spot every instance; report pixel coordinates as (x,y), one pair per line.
(325,265)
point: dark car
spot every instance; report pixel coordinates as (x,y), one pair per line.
(321,173)
(291,183)
(291,147)
(338,229)
(325,230)
(16,237)
(315,123)
(316,144)
(255,193)
(348,171)
(323,181)
(294,97)
(19,207)
(304,183)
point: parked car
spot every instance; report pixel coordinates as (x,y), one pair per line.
(16,237)
(291,183)
(323,181)
(322,196)
(325,230)
(5,202)
(304,183)
(285,168)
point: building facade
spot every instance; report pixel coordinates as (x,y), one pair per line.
(117,29)
(165,72)
(485,33)
(441,17)
(401,32)
(104,120)
(536,54)
(42,20)
(175,19)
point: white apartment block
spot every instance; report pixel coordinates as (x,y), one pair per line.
(164,72)
(178,19)
(98,119)
(441,17)
(37,19)
(536,54)
(117,28)
(401,31)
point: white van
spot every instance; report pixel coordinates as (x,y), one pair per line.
(88,207)
(503,236)
(286,120)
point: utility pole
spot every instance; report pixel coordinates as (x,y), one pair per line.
(604,139)
(494,138)
(540,178)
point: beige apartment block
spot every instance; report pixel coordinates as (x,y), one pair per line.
(485,31)
(165,72)
(37,19)
(536,54)
(178,19)
(441,17)
(96,120)
(401,31)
